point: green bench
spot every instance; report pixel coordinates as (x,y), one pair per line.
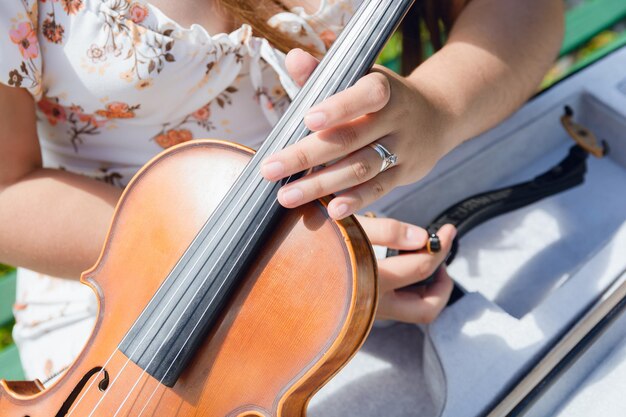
(583,25)
(588,19)
(10,364)
(585,30)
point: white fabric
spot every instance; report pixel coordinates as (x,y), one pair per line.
(547,242)
(603,391)
(395,374)
(592,384)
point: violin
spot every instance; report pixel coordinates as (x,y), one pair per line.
(213,299)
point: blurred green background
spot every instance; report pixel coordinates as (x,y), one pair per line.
(594,28)
(10,366)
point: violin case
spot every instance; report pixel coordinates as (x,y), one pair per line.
(528,276)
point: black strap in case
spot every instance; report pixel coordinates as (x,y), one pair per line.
(475,210)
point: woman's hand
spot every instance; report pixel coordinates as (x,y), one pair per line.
(414,305)
(381,107)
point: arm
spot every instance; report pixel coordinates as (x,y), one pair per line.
(496,55)
(51,221)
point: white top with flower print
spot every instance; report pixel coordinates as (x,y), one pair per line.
(115,82)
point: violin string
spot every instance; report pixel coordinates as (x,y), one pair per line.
(203,314)
(338,81)
(217,210)
(142,339)
(147,402)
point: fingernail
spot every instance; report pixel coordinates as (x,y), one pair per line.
(415,234)
(341,211)
(273,170)
(315,120)
(292,196)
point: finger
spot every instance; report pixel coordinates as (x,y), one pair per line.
(370,94)
(362,195)
(393,233)
(413,307)
(300,65)
(404,270)
(355,169)
(322,147)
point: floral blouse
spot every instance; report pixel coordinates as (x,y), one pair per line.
(117,81)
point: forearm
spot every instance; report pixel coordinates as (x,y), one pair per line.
(55,222)
(496,56)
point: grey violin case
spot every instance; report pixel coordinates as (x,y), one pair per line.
(529,277)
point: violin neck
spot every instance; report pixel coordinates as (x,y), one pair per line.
(185,308)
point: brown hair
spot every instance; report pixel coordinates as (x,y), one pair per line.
(435,16)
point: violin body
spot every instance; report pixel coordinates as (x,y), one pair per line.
(303,309)
(216,302)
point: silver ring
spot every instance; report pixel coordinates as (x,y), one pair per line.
(389,159)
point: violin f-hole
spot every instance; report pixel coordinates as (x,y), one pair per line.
(102,386)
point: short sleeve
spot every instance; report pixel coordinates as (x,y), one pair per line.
(319,30)
(20,54)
